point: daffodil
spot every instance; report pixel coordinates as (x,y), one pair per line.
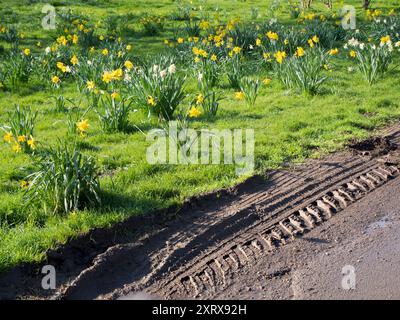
(214,57)
(104,52)
(385,40)
(128,47)
(272,36)
(62,66)
(280,56)
(117,74)
(115,95)
(8,137)
(180,40)
(267,81)
(333,52)
(258,42)
(128,65)
(31,143)
(82,126)
(299,52)
(172,69)
(353,54)
(107,77)
(75,39)
(266,55)
(150,101)
(199,99)
(62,40)
(194,112)
(239,95)
(74,60)
(16,148)
(55,80)
(203,25)
(237,50)
(90,85)
(27,52)
(24,184)
(21,138)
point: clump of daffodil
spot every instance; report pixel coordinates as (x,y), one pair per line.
(109,76)
(20,142)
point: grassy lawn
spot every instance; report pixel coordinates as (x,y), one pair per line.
(289,126)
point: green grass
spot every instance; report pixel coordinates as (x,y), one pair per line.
(288,128)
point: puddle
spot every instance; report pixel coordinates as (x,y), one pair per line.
(377,225)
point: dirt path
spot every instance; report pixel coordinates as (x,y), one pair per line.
(284,237)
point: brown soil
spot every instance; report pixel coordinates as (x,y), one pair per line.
(206,247)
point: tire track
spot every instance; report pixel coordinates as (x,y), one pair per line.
(212,270)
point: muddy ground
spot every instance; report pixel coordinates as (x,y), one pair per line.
(285,235)
(365,236)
